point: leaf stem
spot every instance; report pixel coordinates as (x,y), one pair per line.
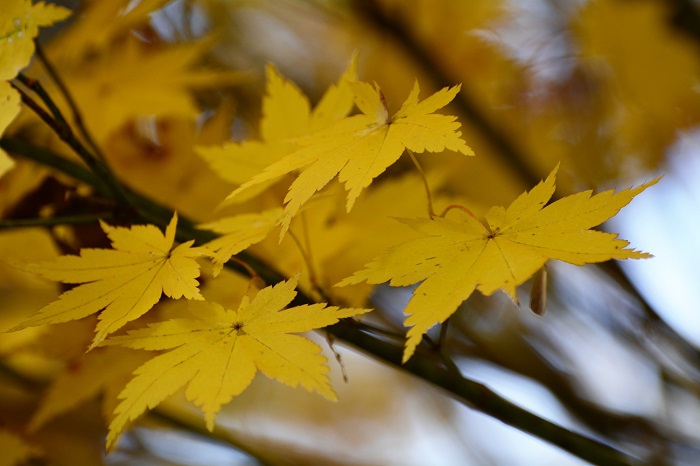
(255,279)
(308,260)
(421,173)
(468,212)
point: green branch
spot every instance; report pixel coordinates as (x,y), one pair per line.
(55,120)
(53,221)
(50,159)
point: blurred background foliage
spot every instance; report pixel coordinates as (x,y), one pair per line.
(609,89)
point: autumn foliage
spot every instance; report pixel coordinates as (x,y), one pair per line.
(199,272)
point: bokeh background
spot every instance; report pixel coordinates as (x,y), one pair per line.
(608,89)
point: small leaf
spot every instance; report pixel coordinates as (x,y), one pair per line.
(19,26)
(239,232)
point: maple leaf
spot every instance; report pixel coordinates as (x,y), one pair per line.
(287,115)
(19,26)
(124,282)
(359,148)
(218,354)
(134,80)
(239,232)
(455,257)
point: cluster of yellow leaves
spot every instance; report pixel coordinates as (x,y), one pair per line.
(19,24)
(125,282)
(357,148)
(453,258)
(217,352)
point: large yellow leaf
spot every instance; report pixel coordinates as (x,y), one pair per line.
(124,282)
(19,24)
(218,354)
(455,257)
(361,147)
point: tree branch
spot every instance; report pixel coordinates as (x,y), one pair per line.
(423,364)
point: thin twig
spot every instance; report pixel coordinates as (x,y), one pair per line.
(421,173)
(77,116)
(34,86)
(468,212)
(65,133)
(443,334)
(306,257)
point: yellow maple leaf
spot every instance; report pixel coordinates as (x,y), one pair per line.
(359,148)
(19,25)
(456,257)
(218,354)
(238,233)
(287,114)
(124,282)
(134,80)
